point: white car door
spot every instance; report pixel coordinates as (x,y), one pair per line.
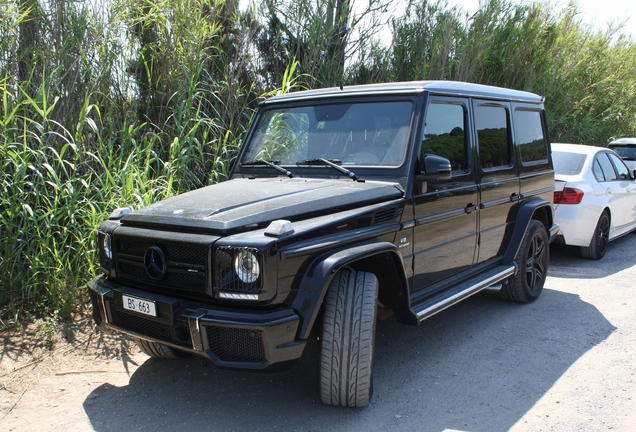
(616,194)
(628,185)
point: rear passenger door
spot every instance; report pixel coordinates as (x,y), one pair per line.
(497,175)
(628,191)
(614,184)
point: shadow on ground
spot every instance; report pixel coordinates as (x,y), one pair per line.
(478,366)
(566,262)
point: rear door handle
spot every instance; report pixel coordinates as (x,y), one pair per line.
(470,208)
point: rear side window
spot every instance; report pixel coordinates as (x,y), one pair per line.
(598,171)
(493,136)
(607,167)
(623,172)
(530,136)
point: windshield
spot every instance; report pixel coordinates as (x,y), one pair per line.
(353,134)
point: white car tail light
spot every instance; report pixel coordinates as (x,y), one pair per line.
(568,196)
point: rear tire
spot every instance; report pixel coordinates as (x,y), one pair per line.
(157,350)
(348,339)
(532,266)
(598,246)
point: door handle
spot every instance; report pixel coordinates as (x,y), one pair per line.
(470,208)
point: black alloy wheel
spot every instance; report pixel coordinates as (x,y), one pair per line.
(532,264)
(598,246)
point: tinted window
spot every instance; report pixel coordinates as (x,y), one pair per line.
(492,136)
(623,172)
(568,163)
(530,136)
(607,167)
(445,134)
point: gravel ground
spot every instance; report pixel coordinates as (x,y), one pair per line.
(566,362)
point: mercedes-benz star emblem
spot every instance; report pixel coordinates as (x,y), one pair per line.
(155,262)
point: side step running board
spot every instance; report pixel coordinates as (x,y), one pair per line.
(447,298)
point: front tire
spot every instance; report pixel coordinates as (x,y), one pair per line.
(348,339)
(598,246)
(532,264)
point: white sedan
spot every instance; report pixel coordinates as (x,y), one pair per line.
(594,198)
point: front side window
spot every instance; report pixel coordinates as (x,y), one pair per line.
(445,134)
(493,137)
(370,134)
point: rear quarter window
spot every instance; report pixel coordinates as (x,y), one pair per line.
(530,136)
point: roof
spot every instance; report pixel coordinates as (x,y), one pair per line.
(623,141)
(414,87)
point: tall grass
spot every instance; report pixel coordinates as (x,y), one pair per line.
(586,76)
(56,190)
(77,137)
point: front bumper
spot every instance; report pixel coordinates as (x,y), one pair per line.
(230,338)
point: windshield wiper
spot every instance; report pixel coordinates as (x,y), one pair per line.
(332,163)
(271,165)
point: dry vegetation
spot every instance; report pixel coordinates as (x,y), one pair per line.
(44,349)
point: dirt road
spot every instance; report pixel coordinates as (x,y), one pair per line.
(566,362)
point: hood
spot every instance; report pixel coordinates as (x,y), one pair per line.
(240,204)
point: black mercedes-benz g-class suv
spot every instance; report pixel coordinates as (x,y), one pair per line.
(404,197)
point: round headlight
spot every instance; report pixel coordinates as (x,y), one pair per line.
(246,267)
(106,245)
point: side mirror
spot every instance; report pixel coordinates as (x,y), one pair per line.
(434,168)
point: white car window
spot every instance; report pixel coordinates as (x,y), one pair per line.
(623,172)
(607,167)
(566,163)
(598,172)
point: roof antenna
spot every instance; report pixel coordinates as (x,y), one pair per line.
(340,83)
